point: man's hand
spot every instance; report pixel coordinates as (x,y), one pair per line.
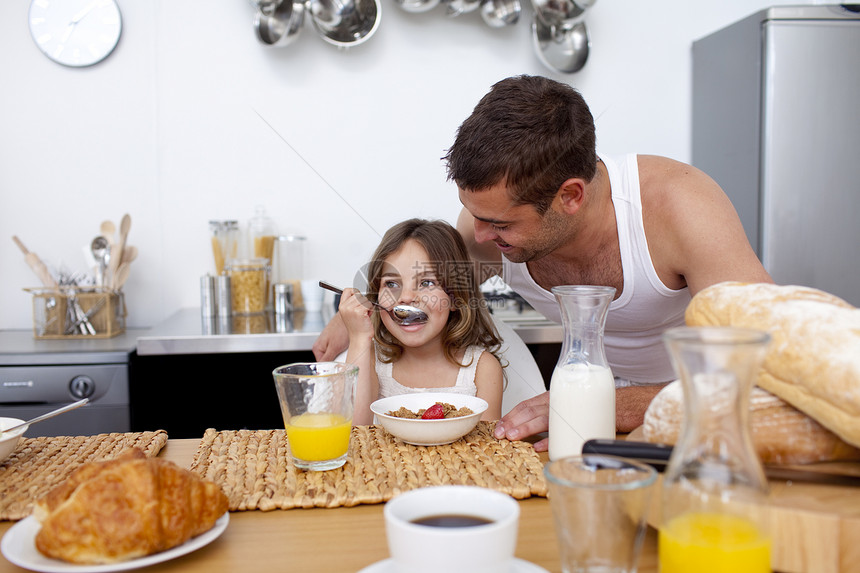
(333,340)
(528,418)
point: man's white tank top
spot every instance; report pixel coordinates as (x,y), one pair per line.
(646,307)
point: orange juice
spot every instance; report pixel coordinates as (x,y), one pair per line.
(711,543)
(318,437)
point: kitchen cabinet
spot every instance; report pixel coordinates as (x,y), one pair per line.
(185,394)
(37,376)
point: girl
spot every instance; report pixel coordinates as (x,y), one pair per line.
(423,264)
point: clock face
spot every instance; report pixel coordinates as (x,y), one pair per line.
(75,33)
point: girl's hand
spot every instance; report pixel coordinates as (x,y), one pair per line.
(356,315)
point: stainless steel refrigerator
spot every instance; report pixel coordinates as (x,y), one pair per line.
(776,122)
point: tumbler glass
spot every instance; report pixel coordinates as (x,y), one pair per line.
(317,402)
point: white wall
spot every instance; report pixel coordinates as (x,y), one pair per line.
(193,119)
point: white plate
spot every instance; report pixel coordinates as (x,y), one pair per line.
(19,547)
(517,566)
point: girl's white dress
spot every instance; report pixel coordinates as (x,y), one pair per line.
(465,384)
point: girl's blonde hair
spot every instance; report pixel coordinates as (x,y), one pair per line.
(469,322)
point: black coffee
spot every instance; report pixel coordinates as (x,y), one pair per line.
(452,520)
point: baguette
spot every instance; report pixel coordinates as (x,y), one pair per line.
(781,434)
(813,359)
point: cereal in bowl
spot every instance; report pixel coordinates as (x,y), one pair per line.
(438,411)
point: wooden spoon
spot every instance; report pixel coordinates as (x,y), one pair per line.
(121,276)
(124,226)
(108,229)
(36,264)
(129,254)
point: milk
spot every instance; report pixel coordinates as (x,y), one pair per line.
(581,407)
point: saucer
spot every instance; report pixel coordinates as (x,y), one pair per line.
(517,566)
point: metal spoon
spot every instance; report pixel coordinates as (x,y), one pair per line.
(50,414)
(100,248)
(402,313)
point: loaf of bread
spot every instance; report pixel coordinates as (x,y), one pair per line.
(813,359)
(116,510)
(780,433)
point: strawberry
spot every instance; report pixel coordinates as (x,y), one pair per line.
(434,412)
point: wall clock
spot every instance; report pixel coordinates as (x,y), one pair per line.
(75,33)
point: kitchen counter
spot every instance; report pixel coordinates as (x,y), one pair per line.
(186,332)
(19,347)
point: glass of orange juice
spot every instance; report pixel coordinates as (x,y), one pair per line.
(316,402)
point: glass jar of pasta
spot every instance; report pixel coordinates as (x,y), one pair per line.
(225,242)
(248,282)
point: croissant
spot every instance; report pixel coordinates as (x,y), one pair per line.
(129,507)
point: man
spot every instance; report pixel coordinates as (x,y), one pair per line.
(542,209)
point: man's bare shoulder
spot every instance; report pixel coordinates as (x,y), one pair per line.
(659,176)
(693,231)
(674,192)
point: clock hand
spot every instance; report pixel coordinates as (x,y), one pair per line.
(69,29)
(80,15)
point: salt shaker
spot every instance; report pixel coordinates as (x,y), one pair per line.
(224,295)
(283,298)
(208,307)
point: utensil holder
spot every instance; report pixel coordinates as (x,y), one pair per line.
(77,312)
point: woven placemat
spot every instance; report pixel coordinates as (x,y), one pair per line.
(39,464)
(255,470)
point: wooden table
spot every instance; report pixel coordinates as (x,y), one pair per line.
(341,540)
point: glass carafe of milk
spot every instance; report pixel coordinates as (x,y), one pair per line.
(582,389)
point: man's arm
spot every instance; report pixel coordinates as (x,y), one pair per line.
(333,340)
(630,405)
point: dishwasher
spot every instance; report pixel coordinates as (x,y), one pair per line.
(37,376)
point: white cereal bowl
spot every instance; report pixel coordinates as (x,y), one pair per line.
(9,441)
(428,432)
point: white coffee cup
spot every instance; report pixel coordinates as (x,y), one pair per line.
(485,548)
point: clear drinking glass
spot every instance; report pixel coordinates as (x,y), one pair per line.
(714,490)
(600,505)
(225,242)
(317,402)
